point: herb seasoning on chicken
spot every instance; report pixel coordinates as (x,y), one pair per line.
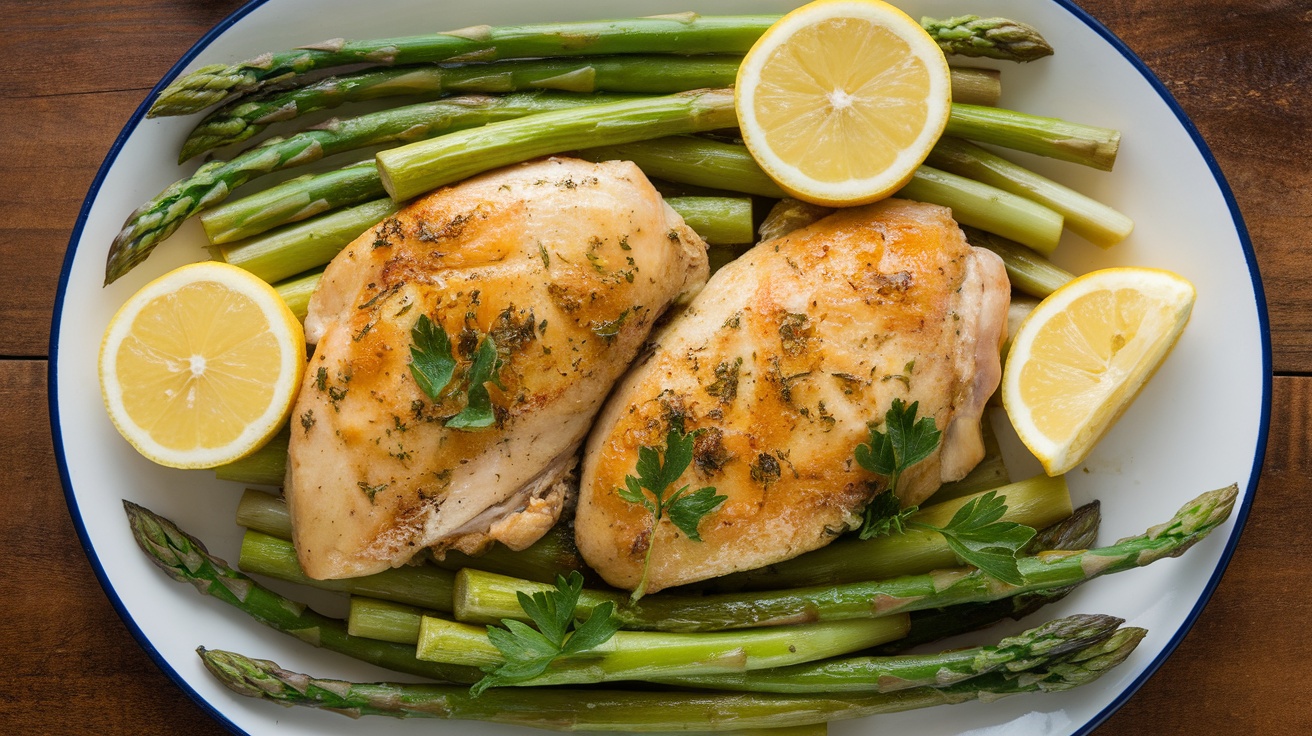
(777,367)
(463,348)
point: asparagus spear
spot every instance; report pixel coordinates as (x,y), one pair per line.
(1025,651)
(416,168)
(266,466)
(646,710)
(483,597)
(996,38)
(1088,145)
(1037,502)
(1084,216)
(729,166)
(646,74)
(649,655)
(296,293)
(718,220)
(988,208)
(684,33)
(292,201)
(1028,271)
(418,585)
(301,246)
(214,181)
(183,558)
(683,160)
(374,618)
(1076,533)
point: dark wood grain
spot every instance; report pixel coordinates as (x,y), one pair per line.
(74,73)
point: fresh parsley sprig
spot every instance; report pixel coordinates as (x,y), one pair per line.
(976,533)
(657,471)
(431,362)
(527,651)
(433,365)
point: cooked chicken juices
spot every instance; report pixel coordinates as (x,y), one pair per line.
(563,266)
(781,362)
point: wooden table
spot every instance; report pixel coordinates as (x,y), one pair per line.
(75,71)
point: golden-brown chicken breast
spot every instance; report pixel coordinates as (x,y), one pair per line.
(782,361)
(532,288)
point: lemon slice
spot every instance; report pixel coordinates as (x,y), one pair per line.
(200,367)
(841,100)
(1079,359)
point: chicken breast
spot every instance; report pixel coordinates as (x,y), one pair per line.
(545,280)
(780,364)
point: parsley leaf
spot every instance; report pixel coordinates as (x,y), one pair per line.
(658,471)
(431,362)
(884,515)
(904,443)
(478,413)
(978,536)
(976,532)
(528,652)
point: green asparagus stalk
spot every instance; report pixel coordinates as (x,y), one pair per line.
(729,166)
(645,74)
(1084,216)
(692,160)
(648,655)
(995,38)
(1025,651)
(296,293)
(684,160)
(718,220)
(1051,137)
(988,208)
(1037,503)
(265,513)
(418,585)
(183,558)
(554,554)
(214,181)
(373,618)
(266,466)
(415,168)
(1078,532)
(647,710)
(683,33)
(293,249)
(1028,271)
(292,201)
(976,86)
(484,598)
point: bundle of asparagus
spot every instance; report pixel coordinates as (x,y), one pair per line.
(632,82)
(774,676)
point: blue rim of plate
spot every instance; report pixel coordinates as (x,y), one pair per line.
(1115,42)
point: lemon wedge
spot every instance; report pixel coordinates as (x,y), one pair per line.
(200,367)
(841,100)
(1079,359)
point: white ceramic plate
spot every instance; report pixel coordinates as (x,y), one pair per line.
(1199,425)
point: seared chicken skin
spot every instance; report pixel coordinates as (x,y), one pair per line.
(562,266)
(781,362)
